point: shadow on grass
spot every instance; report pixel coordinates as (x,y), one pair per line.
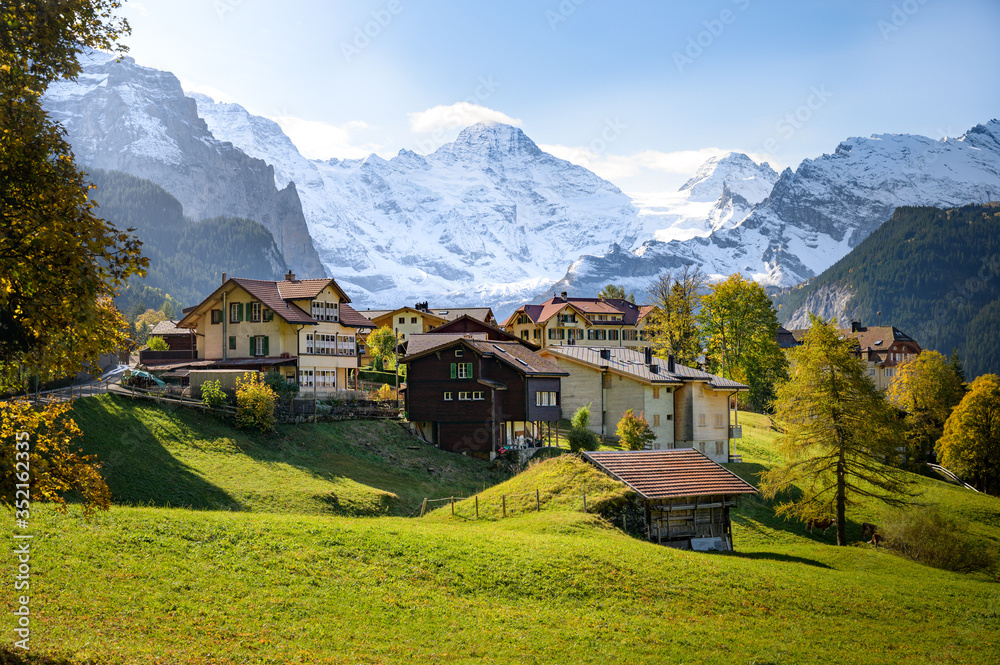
(773,556)
(9,656)
(136,466)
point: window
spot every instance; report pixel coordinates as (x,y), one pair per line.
(524,334)
(536,333)
(701,447)
(216,316)
(306,378)
(656,392)
(630,335)
(656,420)
(447,397)
(890,371)
(464,396)
(478,395)
(260,345)
(232,343)
(235,312)
(459,353)
(310,343)
(461,370)
(701,421)
(718,447)
(413,319)
(268,315)
(546,398)
(718,421)
(255,312)
(613,334)
(871,372)
(670,416)
(402,319)
(325,311)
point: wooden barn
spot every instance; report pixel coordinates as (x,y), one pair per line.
(686,496)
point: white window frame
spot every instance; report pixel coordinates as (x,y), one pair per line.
(448,397)
(256,312)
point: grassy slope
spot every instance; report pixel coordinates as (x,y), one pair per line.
(157,455)
(171,585)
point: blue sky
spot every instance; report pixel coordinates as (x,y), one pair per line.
(640,92)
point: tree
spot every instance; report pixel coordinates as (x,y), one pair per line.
(673,326)
(614,291)
(837,431)
(40,440)
(970,446)
(741,324)
(60,264)
(634,431)
(382,346)
(255,403)
(157,343)
(580,437)
(927,388)
(955,362)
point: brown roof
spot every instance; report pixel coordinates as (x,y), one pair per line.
(452,313)
(301,289)
(353,319)
(587,307)
(514,354)
(873,341)
(632,363)
(420,342)
(663,474)
(267,292)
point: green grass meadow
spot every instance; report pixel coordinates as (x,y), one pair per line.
(258,567)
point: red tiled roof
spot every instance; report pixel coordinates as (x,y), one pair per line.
(352,319)
(663,474)
(267,292)
(588,307)
(301,289)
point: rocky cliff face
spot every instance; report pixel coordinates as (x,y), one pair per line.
(120,116)
(830,301)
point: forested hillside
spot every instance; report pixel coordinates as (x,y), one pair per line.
(186,258)
(933,273)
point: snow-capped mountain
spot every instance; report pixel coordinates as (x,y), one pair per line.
(121,116)
(816,214)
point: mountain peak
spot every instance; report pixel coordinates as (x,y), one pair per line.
(494,138)
(735,171)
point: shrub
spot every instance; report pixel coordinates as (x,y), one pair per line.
(634,431)
(385,393)
(255,403)
(579,437)
(212,394)
(934,539)
(280,386)
(157,344)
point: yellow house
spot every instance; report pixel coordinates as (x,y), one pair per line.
(611,322)
(685,407)
(303,329)
(407,321)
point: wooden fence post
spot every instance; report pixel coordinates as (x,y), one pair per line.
(504,496)
(538,501)
(452,506)
(423,507)
(477,506)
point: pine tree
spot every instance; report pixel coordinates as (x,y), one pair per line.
(615,291)
(838,429)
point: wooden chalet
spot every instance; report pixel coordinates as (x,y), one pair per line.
(470,394)
(687,497)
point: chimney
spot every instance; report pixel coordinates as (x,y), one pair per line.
(605,354)
(563,294)
(855,326)
(648,351)
(290,277)
(671,366)
(224,280)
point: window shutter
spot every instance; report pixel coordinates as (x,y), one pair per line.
(239,311)
(266,345)
(468,370)
(454,370)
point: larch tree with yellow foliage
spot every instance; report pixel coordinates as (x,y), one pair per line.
(970,446)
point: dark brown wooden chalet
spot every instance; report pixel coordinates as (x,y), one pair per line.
(470,324)
(476,395)
(687,497)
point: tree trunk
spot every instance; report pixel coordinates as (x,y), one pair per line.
(841,493)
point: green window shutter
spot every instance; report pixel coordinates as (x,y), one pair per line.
(454,370)
(239,311)
(468,370)
(232,343)
(266,346)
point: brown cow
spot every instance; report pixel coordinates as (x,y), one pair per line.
(870,534)
(823,524)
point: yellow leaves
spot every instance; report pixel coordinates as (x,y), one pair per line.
(255,403)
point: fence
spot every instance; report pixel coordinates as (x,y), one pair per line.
(504,506)
(162,396)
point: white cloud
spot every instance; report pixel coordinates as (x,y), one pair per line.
(321,140)
(456,116)
(207,90)
(640,166)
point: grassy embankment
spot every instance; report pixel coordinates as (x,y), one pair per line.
(156,584)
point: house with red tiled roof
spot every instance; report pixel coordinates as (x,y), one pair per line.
(304,329)
(687,498)
(883,348)
(589,321)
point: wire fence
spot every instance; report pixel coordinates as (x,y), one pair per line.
(508,505)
